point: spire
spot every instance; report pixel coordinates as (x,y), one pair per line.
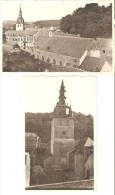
(62,94)
(20,12)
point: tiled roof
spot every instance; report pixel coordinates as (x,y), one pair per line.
(28,31)
(92,64)
(89,142)
(65,45)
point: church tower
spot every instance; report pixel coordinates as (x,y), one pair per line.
(20,22)
(62,131)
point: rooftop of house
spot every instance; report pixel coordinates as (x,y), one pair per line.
(29,134)
(89,163)
(100,43)
(27,31)
(65,45)
(92,64)
(89,142)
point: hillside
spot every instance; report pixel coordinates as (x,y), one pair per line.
(40,124)
(91,21)
(47,23)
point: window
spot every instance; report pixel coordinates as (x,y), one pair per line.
(54,61)
(75,60)
(103,51)
(68,64)
(48,60)
(42,58)
(60,63)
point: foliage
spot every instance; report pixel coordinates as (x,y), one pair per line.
(40,124)
(4,38)
(22,61)
(91,21)
(37,174)
(47,23)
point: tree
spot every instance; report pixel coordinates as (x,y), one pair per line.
(22,61)
(4,38)
(37,174)
(91,21)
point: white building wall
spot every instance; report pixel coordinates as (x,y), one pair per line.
(83,57)
(106,67)
(19,27)
(27,169)
(95,53)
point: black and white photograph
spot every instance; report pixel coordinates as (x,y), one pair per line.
(60,118)
(57,36)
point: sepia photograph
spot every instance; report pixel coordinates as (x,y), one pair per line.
(59,132)
(57,36)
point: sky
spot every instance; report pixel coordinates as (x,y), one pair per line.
(43,10)
(41,93)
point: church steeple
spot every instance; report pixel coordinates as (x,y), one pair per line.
(62,94)
(20,12)
(62,110)
(20,21)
